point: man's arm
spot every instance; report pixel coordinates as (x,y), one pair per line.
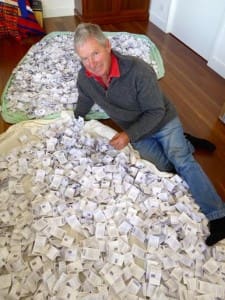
(84,103)
(152,104)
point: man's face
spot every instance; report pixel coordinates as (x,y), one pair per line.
(95,57)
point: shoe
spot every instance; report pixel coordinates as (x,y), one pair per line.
(201,144)
(217,231)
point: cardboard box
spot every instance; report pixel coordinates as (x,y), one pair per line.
(222,114)
(39,17)
(36,6)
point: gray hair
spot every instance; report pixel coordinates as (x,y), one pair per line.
(84,31)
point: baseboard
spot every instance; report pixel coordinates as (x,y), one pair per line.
(159,22)
(58,12)
(217,65)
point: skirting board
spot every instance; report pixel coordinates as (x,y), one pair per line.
(217,65)
(156,20)
(58,12)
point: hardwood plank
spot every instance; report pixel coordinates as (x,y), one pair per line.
(196,90)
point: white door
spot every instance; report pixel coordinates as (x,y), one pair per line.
(197,22)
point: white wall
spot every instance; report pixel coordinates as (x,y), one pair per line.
(159,13)
(196,23)
(57,8)
(199,24)
(217,56)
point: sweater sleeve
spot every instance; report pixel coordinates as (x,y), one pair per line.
(152,105)
(84,102)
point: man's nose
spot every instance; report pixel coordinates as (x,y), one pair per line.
(91,62)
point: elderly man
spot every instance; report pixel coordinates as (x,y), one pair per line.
(127,90)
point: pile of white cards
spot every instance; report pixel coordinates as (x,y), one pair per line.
(44,83)
(80,220)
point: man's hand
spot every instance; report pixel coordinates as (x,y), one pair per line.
(120,140)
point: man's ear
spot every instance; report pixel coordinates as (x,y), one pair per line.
(108,45)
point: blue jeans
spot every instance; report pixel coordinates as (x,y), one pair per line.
(169,150)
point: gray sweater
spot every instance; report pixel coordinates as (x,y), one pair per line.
(134,100)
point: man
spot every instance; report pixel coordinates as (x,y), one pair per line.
(127,90)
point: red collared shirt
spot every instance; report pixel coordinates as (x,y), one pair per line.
(114,72)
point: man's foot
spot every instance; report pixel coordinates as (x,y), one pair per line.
(217,231)
(201,144)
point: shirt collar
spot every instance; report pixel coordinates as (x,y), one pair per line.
(114,71)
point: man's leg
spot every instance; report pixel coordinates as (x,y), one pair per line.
(178,152)
(150,149)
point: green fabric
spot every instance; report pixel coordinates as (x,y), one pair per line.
(15,117)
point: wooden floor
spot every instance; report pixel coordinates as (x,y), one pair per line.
(197,91)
